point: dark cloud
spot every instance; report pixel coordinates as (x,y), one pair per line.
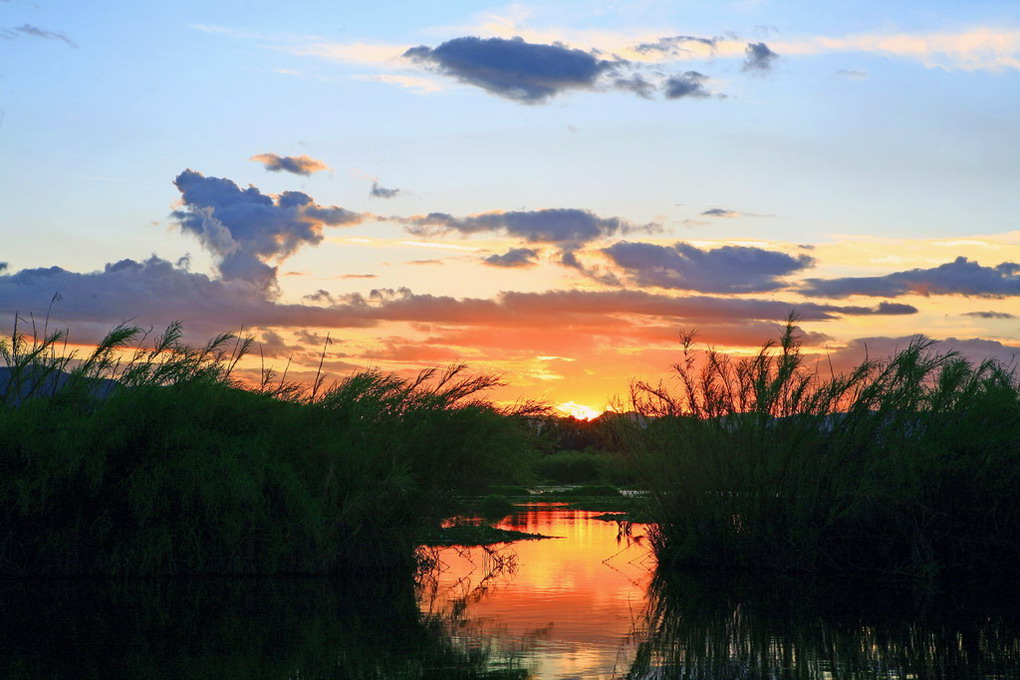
(322,295)
(382,192)
(689,84)
(272,344)
(721,212)
(298,165)
(959,277)
(245,228)
(36,32)
(758,58)
(524,72)
(729,269)
(637,84)
(515,257)
(991,315)
(359,276)
(426,262)
(676,44)
(553,225)
(579,307)
(155,292)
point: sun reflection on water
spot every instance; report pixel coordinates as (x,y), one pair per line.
(575,600)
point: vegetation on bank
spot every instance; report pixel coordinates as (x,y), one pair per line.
(908,465)
(158,462)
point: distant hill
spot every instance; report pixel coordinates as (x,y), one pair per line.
(37,382)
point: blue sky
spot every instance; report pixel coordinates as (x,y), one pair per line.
(867,140)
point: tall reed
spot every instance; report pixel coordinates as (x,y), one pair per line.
(150,458)
(907,465)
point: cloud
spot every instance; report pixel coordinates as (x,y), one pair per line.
(245,228)
(36,32)
(729,269)
(979,48)
(414,83)
(975,350)
(721,212)
(990,315)
(679,45)
(689,84)
(298,165)
(514,69)
(959,277)
(591,307)
(853,74)
(400,349)
(758,58)
(515,257)
(359,276)
(155,292)
(382,192)
(551,225)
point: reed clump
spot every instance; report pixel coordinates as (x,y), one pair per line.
(157,461)
(908,465)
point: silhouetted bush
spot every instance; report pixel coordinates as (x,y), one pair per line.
(174,468)
(905,466)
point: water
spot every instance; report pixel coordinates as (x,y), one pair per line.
(585,605)
(570,604)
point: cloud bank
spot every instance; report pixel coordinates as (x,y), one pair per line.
(729,269)
(959,277)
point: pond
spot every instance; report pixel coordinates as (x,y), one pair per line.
(569,605)
(584,605)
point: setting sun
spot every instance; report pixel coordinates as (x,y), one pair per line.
(579,411)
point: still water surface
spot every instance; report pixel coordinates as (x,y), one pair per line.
(585,605)
(571,605)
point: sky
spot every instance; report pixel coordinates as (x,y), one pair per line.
(550,191)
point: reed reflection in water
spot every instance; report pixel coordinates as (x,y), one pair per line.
(272,629)
(568,605)
(740,626)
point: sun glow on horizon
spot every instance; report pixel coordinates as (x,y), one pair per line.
(579,411)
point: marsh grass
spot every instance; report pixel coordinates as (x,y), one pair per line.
(150,458)
(907,465)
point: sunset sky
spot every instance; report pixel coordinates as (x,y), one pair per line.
(552,191)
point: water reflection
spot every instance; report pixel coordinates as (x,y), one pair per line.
(752,627)
(570,604)
(581,606)
(219,628)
